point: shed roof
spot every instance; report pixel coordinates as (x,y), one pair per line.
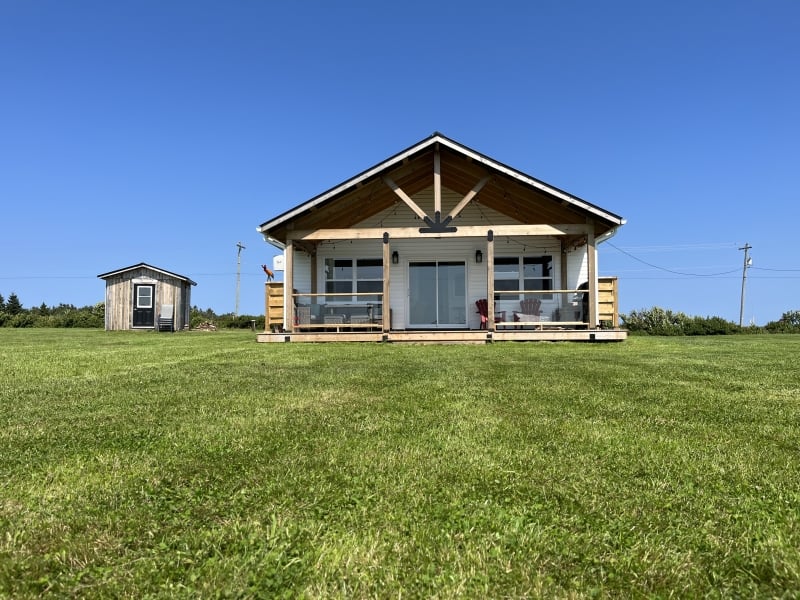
(509,191)
(146,266)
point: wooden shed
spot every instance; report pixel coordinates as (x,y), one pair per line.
(138,295)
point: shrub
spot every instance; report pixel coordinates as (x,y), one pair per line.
(196,320)
(654,321)
(659,321)
(709,326)
(23,319)
(788,323)
(240,322)
(46,321)
(63,315)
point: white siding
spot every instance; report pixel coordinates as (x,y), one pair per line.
(302,273)
(401,215)
(301,266)
(577,268)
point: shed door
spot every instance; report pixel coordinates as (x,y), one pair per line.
(144,305)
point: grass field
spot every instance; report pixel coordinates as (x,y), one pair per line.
(205,465)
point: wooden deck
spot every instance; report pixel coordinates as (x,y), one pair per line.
(461,336)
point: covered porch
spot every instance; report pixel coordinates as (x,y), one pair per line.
(513,311)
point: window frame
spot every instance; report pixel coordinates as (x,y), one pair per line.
(149,295)
(519,276)
(354,280)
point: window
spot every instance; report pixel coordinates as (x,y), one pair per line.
(369,278)
(529,273)
(341,277)
(338,278)
(144,296)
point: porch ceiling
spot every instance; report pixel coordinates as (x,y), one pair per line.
(507,192)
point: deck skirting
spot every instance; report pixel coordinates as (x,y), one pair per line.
(450,337)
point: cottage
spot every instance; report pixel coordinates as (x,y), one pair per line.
(139,295)
(440,243)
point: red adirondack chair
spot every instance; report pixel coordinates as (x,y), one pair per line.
(483,311)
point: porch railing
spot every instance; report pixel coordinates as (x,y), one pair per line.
(365,311)
(558,308)
(555,308)
(339,310)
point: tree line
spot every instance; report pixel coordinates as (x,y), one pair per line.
(14,314)
(651,321)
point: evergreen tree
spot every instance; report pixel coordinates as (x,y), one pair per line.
(2,303)
(13,306)
(43,310)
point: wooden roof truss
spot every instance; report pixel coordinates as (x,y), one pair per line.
(440,163)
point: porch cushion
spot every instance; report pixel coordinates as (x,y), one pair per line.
(522,317)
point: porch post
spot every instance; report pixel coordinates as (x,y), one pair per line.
(314,274)
(591,257)
(490,280)
(564,301)
(386,316)
(289,286)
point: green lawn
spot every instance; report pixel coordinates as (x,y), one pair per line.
(205,464)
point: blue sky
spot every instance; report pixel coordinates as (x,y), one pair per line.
(166,132)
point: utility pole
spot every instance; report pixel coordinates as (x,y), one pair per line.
(238,274)
(747,262)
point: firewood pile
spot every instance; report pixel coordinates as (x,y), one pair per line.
(206,326)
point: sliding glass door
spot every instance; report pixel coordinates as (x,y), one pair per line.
(437,295)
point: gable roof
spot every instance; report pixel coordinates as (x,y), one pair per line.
(509,191)
(146,266)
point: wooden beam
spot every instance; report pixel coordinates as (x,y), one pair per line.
(437,181)
(490,279)
(404,197)
(374,233)
(314,273)
(468,198)
(387,262)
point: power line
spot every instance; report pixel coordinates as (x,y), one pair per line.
(17,277)
(21,277)
(684,247)
(686,278)
(779,270)
(644,262)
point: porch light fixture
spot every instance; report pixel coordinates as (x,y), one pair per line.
(395,257)
(478,256)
